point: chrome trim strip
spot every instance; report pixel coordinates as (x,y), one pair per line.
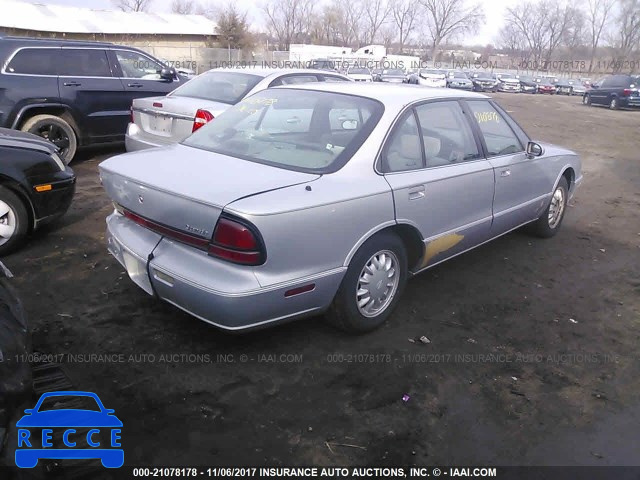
(521,205)
(287,284)
(163,113)
(458,229)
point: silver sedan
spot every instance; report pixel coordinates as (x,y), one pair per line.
(326,198)
(161,121)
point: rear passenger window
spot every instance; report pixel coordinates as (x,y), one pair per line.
(446,134)
(84,63)
(328,78)
(404,151)
(34,61)
(498,136)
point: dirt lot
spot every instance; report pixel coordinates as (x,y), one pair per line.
(533,356)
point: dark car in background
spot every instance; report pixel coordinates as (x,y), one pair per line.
(528,84)
(76,93)
(36,187)
(485,82)
(614,91)
(570,87)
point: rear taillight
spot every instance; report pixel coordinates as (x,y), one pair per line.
(202,118)
(627,91)
(237,242)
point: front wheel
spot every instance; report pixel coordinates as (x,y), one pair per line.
(372,285)
(586,100)
(14,221)
(549,222)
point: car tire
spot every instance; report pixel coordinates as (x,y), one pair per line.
(345,313)
(614,104)
(549,222)
(64,135)
(14,217)
(586,100)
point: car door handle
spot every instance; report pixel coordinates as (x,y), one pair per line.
(416,193)
(505,173)
(72,84)
(136,85)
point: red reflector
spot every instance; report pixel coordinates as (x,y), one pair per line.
(157,104)
(197,242)
(234,235)
(201,119)
(245,258)
(299,290)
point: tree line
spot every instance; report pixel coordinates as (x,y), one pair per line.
(534,31)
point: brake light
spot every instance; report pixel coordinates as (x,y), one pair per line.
(627,91)
(202,118)
(237,242)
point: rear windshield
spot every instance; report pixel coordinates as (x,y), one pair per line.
(224,87)
(359,71)
(302,130)
(393,71)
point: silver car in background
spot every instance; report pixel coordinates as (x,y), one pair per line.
(161,121)
(326,198)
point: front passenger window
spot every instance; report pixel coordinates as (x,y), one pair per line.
(135,65)
(404,151)
(498,136)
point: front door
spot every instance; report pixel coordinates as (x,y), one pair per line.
(521,185)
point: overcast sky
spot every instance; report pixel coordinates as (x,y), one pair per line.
(494,10)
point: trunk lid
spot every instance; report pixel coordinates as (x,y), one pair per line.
(186,188)
(170,118)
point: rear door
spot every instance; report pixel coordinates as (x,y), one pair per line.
(521,183)
(87,83)
(441,182)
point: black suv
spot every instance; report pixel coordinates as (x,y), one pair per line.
(76,93)
(615,91)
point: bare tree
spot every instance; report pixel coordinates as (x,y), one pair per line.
(558,20)
(449,18)
(598,16)
(627,36)
(375,14)
(405,14)
(133,5)
(183,7)
(289,20)
(350,17)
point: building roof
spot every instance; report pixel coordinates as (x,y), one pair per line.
(57,18)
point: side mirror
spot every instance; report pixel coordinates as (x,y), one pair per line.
(109,411)
(168,73)
(534,149)
(28,411)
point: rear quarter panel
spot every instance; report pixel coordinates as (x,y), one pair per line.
(309,232)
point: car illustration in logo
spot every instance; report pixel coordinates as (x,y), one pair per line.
(55,430)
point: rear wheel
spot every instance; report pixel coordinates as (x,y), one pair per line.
(372,285)
(14,221)
(614,104)
(586,99)
(549,222)
(57,130)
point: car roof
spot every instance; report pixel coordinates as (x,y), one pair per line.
(388,94)
(265,71)
(56,42)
